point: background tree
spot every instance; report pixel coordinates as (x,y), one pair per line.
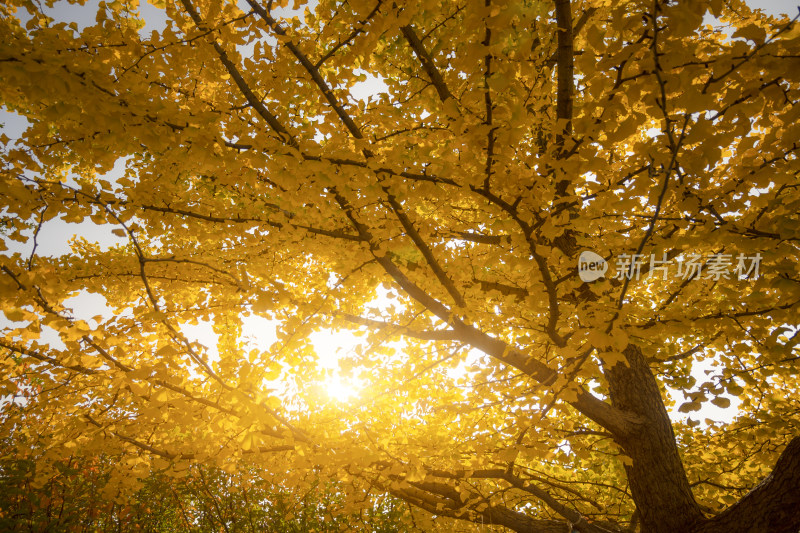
(83,497)
(441,219)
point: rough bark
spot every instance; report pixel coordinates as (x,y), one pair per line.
(658,481)
(773,506)
(520,523)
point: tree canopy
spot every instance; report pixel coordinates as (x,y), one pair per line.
(442,219)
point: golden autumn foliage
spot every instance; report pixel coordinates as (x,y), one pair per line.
(426,176)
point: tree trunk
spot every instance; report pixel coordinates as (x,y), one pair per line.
(657,479)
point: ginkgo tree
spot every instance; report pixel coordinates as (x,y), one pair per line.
(560,230)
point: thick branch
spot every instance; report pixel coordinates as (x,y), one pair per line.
(773,506)
(564,60)
(427,63)
(435,503)
(237,77)
(312,70)
(614,420)
(427,253)
(577,520)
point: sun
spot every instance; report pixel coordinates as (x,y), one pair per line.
(329,346)
(341,389)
